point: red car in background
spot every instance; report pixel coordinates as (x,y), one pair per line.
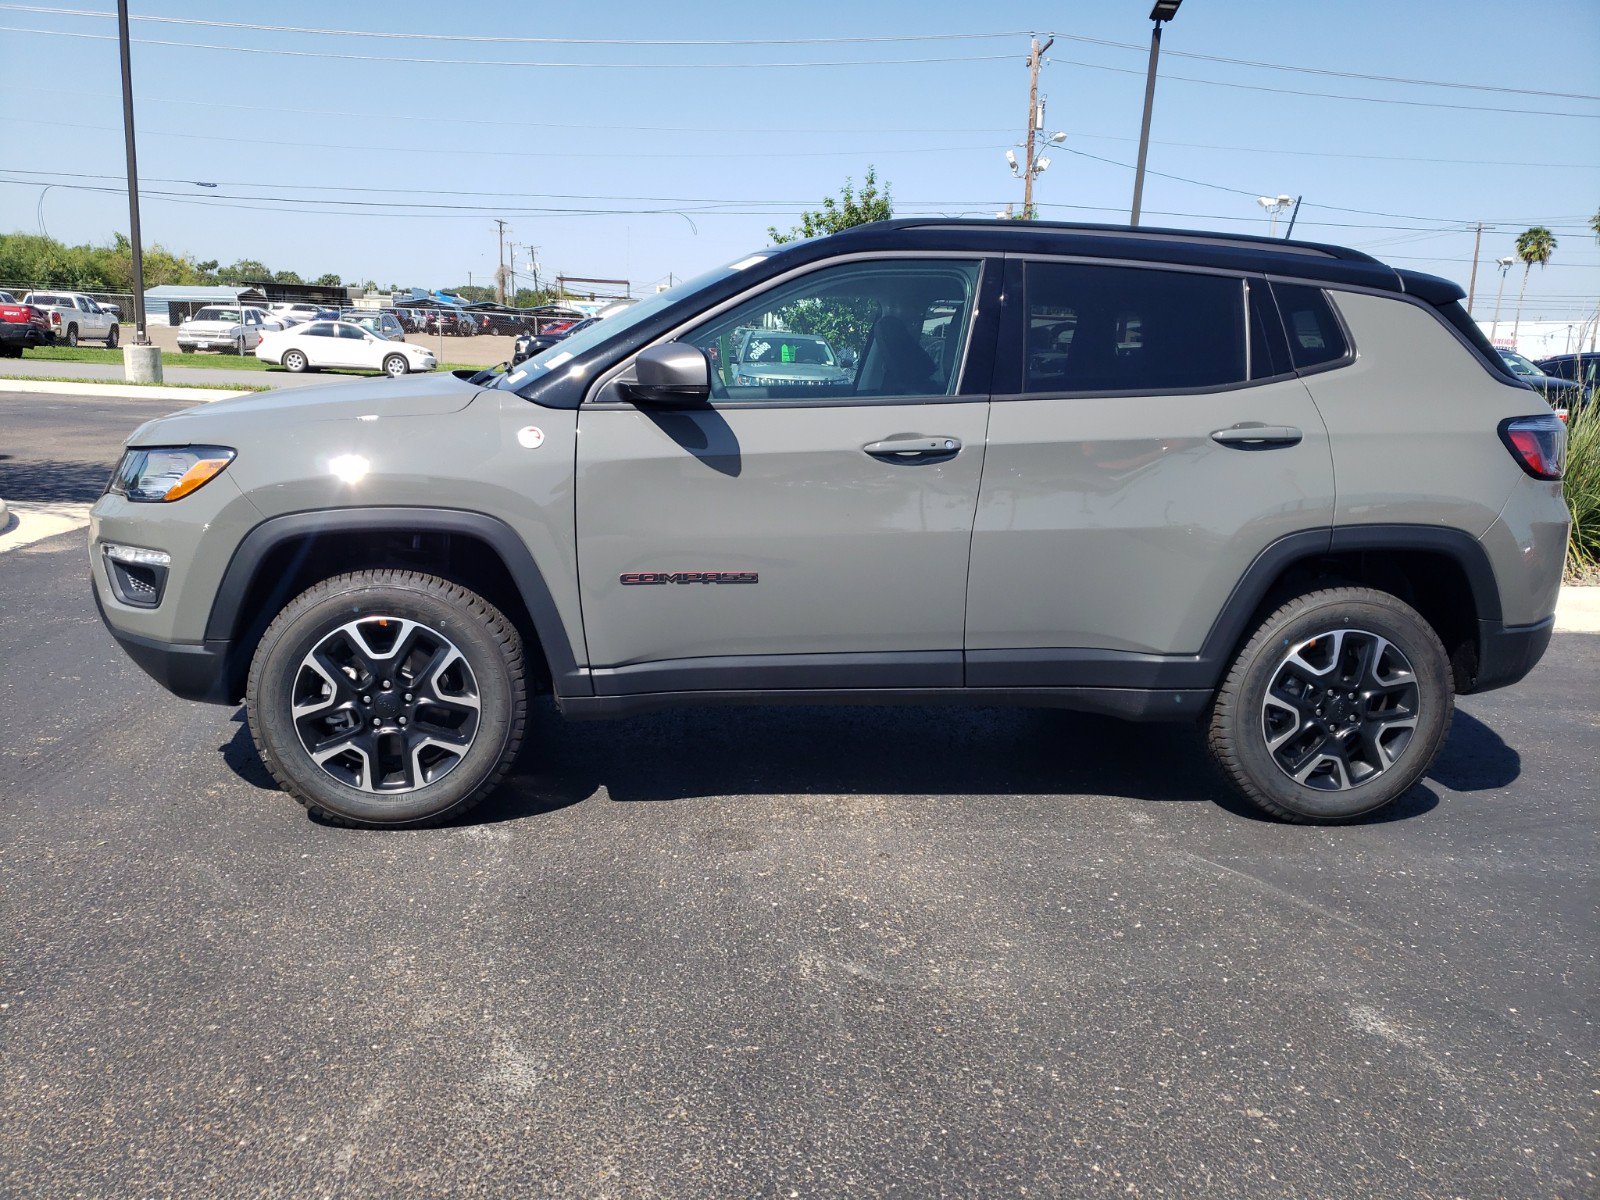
(21,326)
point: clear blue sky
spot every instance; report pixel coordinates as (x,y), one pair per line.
(737,148)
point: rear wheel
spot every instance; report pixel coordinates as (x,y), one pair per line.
(72,335)
(1335,707)
(112,338)
(387,698)
(294,360)
(395,365)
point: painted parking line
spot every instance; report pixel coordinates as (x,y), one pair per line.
(29,523)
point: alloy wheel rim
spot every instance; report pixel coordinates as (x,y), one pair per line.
(397,367)
(1340,710)
(384,704)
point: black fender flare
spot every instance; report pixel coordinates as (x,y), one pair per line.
(229,603)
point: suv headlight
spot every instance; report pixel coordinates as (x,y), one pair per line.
(166,473)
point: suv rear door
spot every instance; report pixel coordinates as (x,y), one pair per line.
(776,537)
(1144,449)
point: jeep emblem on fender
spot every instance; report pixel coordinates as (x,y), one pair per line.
(634,578)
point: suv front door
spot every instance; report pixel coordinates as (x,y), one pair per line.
(1149,439)
(809,527)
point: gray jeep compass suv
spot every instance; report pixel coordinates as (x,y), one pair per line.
(1273,487)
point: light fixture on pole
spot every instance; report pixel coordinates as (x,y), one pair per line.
(1274,205)
(1163,11)
(1505,267)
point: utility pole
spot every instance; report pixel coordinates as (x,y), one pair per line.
(140,338)
(1164,10)
(1472,284)
(500,275)
(1035,124)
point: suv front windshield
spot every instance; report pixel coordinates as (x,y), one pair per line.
(584,340)
(217,314)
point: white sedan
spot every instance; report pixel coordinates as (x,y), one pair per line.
(318,344)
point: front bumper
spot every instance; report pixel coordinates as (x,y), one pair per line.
(199,672)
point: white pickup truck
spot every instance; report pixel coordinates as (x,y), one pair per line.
(74,317)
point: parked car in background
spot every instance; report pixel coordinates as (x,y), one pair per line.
(1559,392)
(22,326)
(452,322)
(298,313)
(232,330)
(530,344)
(506,322)
(75,317)
(383,323)
(1581,370)
(764,358)
(317,344)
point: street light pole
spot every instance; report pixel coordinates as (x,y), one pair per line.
(140,338)
(1505,266)
(1163,11)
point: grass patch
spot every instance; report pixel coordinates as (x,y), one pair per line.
(202,387)
(180,362)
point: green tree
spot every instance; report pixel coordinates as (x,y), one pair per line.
(328,280)
(245,270)
(1594,224)
(1534,245)
(851,208)
(286,277)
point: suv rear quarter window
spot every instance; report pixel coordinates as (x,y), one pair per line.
(1315,336)
(1095,328)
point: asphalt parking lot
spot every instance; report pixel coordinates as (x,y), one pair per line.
(771,952)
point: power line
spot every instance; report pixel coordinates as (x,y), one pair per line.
(1274,66)
(495,62)
(508,39)
(206,102)
(523,40)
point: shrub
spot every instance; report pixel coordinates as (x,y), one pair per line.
(1581,485)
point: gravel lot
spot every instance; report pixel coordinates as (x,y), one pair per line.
(772,952)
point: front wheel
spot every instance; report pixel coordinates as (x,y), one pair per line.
(112,338)
(1335,707)
(294,360)
(395,366)
(387,698)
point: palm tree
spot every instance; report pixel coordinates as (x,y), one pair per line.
(1594,224)
(1534,245)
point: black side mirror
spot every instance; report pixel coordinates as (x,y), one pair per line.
(671,375)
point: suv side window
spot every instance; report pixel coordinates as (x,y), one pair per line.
(1315,335)
(1131,329)
(895,327)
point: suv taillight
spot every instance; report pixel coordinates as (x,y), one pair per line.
(1539,444)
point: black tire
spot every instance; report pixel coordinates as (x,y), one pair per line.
(1352,622)
(72,335)
(112,338)
(395,365)
(488,644)
(295,360)
(8,351)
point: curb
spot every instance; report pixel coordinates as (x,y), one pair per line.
(118,391)
(1578,610)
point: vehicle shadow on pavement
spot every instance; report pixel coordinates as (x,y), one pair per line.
(45,482)
(846,751)
(1475,758)
(700,753)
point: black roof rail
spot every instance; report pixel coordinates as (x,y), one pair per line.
(1243,241)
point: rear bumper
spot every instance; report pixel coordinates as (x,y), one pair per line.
(15,333)
(1507,653)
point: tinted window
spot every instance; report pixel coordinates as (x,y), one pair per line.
(1117,329)
(1314,333)
(320,329)
(351,332)
(890,328)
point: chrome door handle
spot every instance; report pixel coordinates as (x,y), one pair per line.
(916,446)
(1251,435)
